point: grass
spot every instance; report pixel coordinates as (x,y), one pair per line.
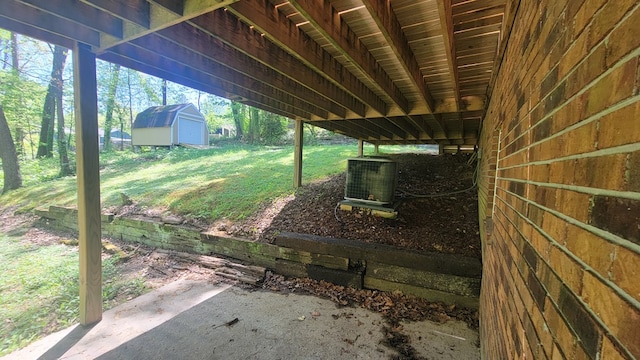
(39,286)
(39,289)
(229,182)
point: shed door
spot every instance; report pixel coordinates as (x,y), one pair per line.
(189,132)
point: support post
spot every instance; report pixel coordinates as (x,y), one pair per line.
(297,155)
(360,148)
(376,149)
(88,178)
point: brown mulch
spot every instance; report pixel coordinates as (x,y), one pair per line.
(444,221)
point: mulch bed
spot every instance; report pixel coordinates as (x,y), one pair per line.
(442,222)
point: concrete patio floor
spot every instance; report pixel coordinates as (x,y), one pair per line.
(190,319)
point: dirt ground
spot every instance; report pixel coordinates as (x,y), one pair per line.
(444,220)
(446,224)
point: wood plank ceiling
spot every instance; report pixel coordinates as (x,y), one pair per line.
(383,71)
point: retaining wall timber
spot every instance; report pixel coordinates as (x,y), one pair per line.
(437,277)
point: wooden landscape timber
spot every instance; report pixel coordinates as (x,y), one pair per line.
(437,277)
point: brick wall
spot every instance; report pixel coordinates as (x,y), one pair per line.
(560,186)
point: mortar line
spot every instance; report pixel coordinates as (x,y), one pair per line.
(627,244)
(587,267)
(621,149)
(581,189)
(593,117)
(613,286)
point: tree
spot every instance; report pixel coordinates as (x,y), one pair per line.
(237,111)
(45,147)
(10,165)
(65,167)
(254,125)
(111,100)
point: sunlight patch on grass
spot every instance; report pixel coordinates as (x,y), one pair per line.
(39,289)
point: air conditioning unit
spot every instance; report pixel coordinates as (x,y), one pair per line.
(371,180)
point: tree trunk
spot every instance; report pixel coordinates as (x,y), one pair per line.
(130,100)
(19,141)
(45,147)
(10,165)
(237,118)
(65,168)
(15,59)
(164,92)
(254,125)
(111,100)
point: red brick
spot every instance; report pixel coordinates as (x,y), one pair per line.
(624,39)
(592,67)
(633,172)
(573,204)
(603,172)
(620,127)
(607,18)
(585,14)
(616,86)
(566,341)
(625,271)
(595,251)
(569,271)
(610,351)
(581,140)
(620,317)
(554,226)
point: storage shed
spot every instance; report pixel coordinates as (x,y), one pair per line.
(170,125)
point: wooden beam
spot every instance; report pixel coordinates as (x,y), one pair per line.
(47,22)
(28,30)
(297,153)
(279,29)
(135,11)
(324,18)
(160,18)
(163,48)
(81,13)
(88,178)
(240,36)
(390,28)
(215,49)
(446,24)
(197,80)
(360,148)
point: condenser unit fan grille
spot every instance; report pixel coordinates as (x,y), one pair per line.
(371,180)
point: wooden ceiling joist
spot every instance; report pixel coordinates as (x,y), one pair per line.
(160,18)
(43,20)
(383,71)
(237,34)
(154,65)
(279,29)
(444,9)
(170,50)
(390,28)
(37,33)
(328,22)
(81,13)
(220,52)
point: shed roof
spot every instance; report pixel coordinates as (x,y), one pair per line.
(159,116)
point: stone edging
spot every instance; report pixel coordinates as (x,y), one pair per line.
(437,277)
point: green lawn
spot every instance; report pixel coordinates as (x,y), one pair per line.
(228,182)
(39,286)
(39,289)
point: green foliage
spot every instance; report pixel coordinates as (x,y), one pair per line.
(273,128)
(22,102)
(232,181)
(39,289)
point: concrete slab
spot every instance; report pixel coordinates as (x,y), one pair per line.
(187,320)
